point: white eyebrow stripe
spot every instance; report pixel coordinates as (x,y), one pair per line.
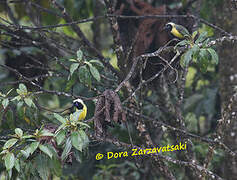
(78,100)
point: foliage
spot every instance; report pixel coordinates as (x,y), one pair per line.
(87,69)
(198,52)
(25,145)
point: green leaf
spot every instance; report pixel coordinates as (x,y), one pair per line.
(186,58)
(28,101)
(60,118)
(46,150)
(205,43)
(203,60)
(67,149)
(33,147)
(84,75)
(214,56)
(27,136)
(203,64)
(4,152)
(53,150)
(194,34)
(78,156)
(10,143)
(77,141)
(204,54)
(45,132)
(9,172)
(83,124)
(181,43)
(95,73)
(96,62)
(60,137)
(17,165)
(20,92)
(201,37)
(62,126)
(73,67)
(9,160)
(84,138)
(18,98)
(5,103)
(73,60)
(195,50)
(22,87)
(18,132)
(79,54)
(25,153)
(2,95)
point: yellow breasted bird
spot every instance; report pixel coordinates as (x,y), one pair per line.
(177,30)
(80,106)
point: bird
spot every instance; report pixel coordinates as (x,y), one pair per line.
(80,107)
(177,30)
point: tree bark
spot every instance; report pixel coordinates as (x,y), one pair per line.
(228,75)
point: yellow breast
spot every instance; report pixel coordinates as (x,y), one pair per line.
(83,114)
(176,33)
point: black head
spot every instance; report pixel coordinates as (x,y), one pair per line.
(78,105)
(168,27)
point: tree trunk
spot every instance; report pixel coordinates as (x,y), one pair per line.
(228,74)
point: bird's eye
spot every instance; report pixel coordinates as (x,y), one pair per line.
(78,105)
(169,27)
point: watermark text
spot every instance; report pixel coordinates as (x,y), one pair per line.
(141,152)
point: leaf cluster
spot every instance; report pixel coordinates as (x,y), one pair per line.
(198,52)
(56,142)
(86,69)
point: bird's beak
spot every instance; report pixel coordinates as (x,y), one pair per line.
(164,28)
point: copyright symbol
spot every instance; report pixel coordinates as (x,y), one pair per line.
(99,156)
